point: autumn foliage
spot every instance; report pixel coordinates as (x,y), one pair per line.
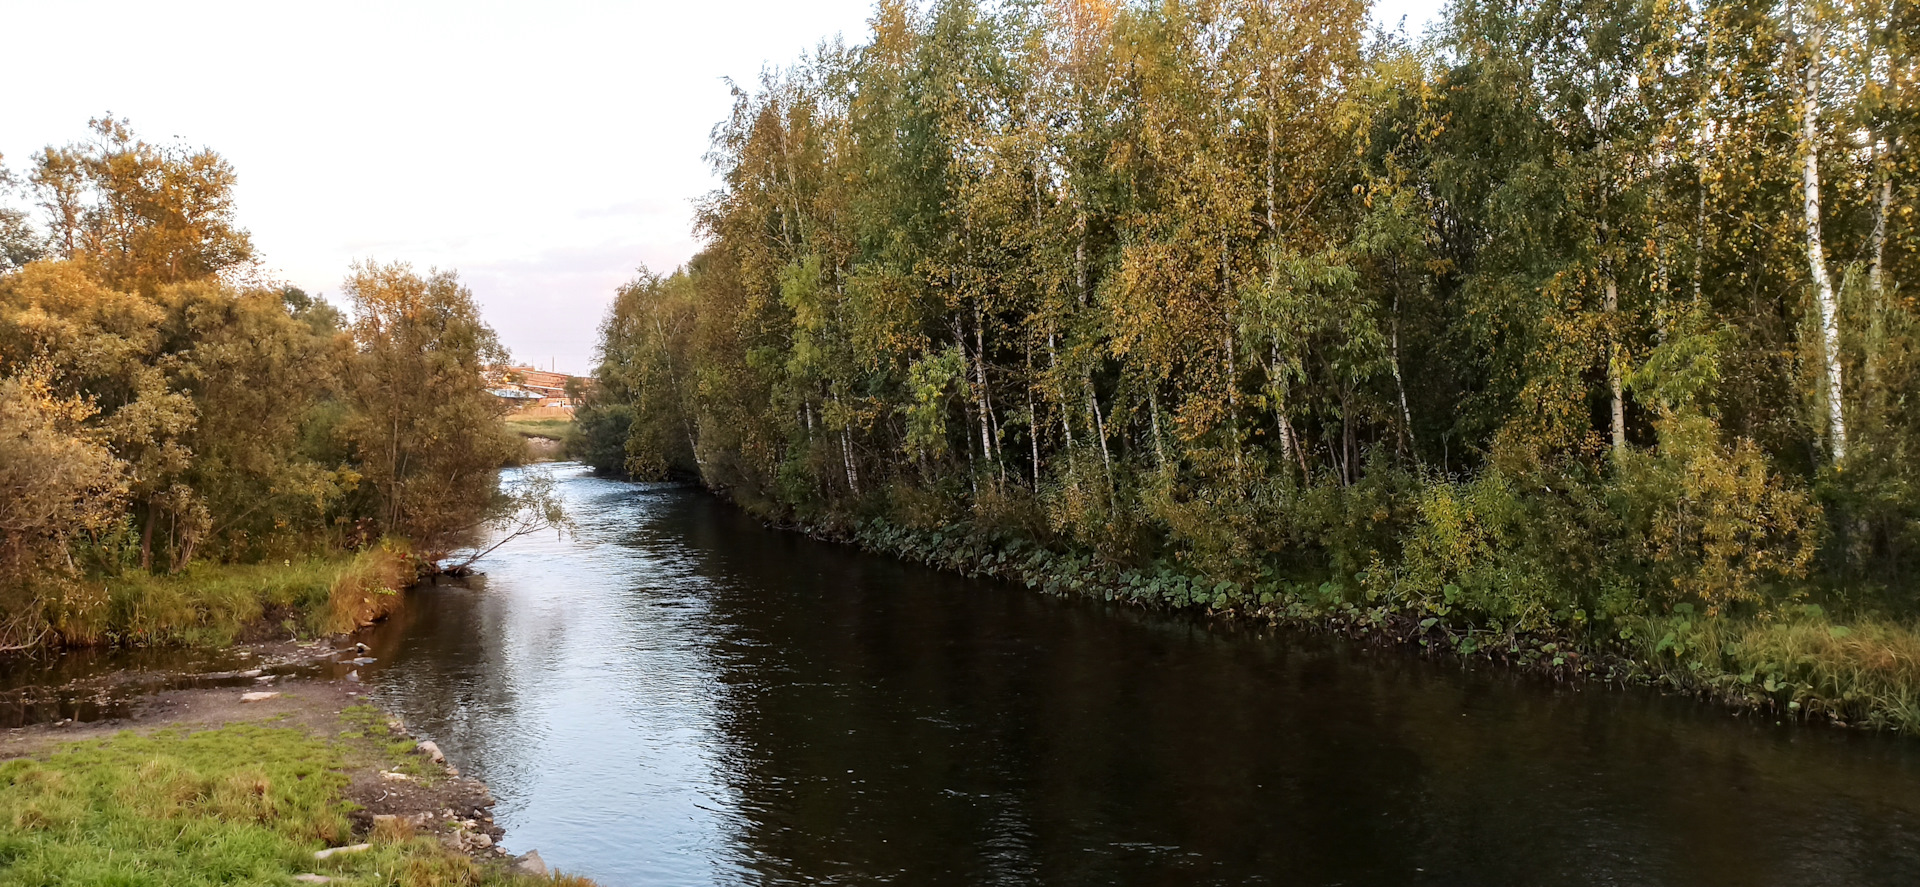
(1515,327)
(161,405)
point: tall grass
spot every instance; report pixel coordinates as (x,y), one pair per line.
(368,590)
(1866,670)
(212,604)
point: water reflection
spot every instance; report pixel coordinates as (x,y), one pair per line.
(679,696)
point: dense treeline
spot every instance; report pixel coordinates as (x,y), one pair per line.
(157,409)
(1571,316)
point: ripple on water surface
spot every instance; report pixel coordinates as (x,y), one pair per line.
(676,695)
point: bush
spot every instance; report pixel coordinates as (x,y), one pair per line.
(1713,523)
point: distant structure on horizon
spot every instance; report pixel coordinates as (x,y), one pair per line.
(528,388)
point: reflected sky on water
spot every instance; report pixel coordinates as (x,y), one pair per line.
(677,695)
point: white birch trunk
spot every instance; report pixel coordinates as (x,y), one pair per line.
(1033,420)
(1816,255)
(1614,382)
(1882,200)
(1406,414)
(1100,428)
(1153,416)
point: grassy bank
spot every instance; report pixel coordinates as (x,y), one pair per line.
(551,429)
(1858,671)
(546,439)
(246,803)
(1805,665)
(217,604)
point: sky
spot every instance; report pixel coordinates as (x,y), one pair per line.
(544,150)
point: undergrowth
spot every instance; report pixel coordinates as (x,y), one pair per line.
(217,604)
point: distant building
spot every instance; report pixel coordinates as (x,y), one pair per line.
(528,388)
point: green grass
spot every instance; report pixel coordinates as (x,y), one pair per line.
(243,804)
(214,603)
(555,429)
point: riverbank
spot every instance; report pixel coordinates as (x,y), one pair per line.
(546,436)
(252,784)
(213,605)
(1804,666)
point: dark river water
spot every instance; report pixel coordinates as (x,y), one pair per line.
(677,696)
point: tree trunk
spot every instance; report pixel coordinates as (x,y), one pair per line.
(1614,382)
(188,543)
(1882,200)
(1663,281)
(1233,385)
(1273,170)
(846,454)
(966,410)
(146,540)
(1876,296)
(1100,428)
(1153,416)
(1347,443)
(1290,449)
(1066,426)
(1700,238)
(1406,414)
(987,420)
(1080,259)
(1816,254)
(679,405)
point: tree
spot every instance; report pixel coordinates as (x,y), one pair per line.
(19,243)
(1810,37)
(140,215)
(638,419)
(104,345)
(426,430)
(264,373)
(58,483)
(1228,284)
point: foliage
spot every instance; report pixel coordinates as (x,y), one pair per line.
(1517,330)
(157,413)
(140,216)
(428,431)
(19,243)
(529,503)
(630,421)
(1805,663)
(55,486)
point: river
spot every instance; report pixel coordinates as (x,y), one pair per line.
(678,696)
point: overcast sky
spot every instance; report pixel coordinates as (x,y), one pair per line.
(544,150)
